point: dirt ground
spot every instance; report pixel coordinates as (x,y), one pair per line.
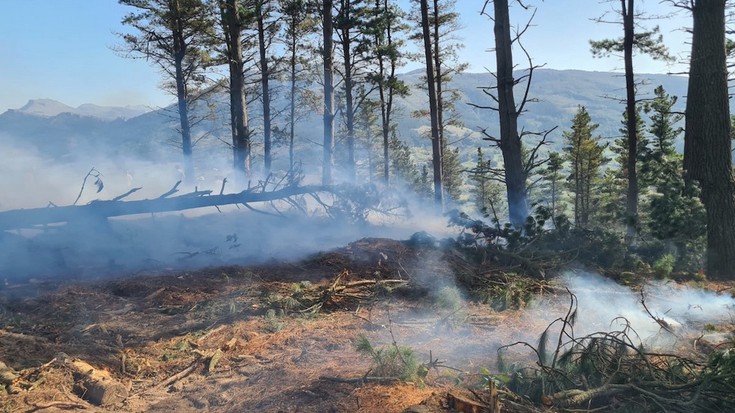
(250,339)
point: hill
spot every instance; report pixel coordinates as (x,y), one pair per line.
(59,131)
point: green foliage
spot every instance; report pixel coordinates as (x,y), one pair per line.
(551,186)
(585,155)
(392,361)
(614,185)
(273,323)
(448,298)
(663,267)
(488,195)
(402,165)
(451,172)
(673,212)
(647,42)
(514,292)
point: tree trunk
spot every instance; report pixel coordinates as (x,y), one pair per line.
(348,88)
(435,142)
(510,142)
(707,155)
(386,93)
(631,205)
(384,116)
(264,74)
(328,118)
(438,78)
(182,98)
(238,103)
(292,119)
(96,210)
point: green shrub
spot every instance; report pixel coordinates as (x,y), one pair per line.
(448,298)
(392,361)
(663,267)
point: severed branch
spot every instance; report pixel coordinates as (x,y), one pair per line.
(660,321)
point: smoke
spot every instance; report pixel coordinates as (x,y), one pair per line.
(183,239)
(677,312)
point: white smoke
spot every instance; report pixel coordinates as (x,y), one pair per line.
(674,311)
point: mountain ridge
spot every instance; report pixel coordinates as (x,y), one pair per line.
(49,108)
(558,94)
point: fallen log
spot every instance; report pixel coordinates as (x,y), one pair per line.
(96,385)
(97,210)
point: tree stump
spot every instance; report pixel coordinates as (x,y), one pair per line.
(97,386)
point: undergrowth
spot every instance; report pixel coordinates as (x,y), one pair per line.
(613,371)
(392,361)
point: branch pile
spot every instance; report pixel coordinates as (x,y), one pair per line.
(614,370)
(305,298)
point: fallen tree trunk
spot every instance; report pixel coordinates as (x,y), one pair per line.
(96,385)
(25,218)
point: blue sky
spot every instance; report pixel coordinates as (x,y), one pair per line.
(61,49)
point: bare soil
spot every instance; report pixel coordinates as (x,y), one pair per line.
(229,340)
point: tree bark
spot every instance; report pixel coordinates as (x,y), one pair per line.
(292,119)
(631,205)
(328,118)
(510,142)
(264,74)
(707,155)
(238,103)
(438,78)
(348,67)
(386,86)
(433,112)
(182,97)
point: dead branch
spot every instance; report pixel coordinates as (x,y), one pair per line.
(94,173)
(171,191)
(660,321)
(178,376)
(132,191)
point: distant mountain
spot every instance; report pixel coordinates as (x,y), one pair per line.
(61,131)
(51,108)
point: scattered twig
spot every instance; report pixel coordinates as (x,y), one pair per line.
(178,376)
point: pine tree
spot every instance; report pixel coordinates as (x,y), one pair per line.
(452,171)
(439,23)
(176,36)
(487,192)
(612,208)
(354,49)
(673,210)
(402,166)
(299,24)
(647,42)
(386,28)
(660,149)
(552,177)
(585,154)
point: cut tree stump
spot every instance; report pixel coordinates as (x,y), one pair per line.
(97,385)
